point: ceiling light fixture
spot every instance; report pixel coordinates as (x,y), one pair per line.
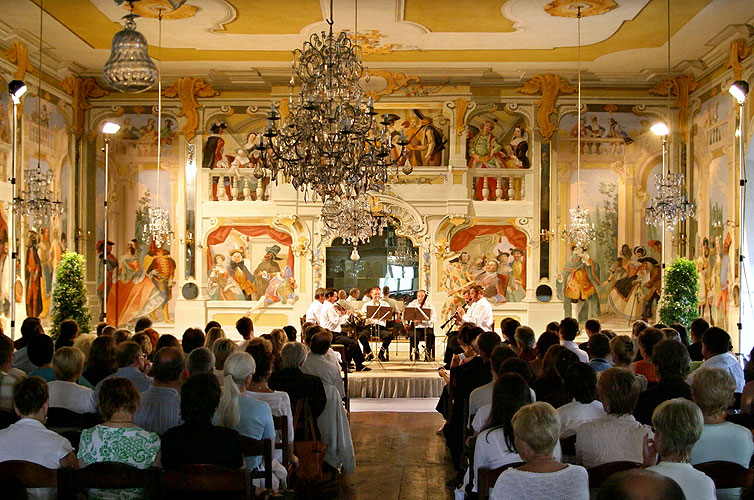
(16,89)
(129,68)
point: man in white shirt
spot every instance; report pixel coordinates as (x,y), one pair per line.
(425,329)
(314,310)
(318,365)
(480,311)
(353,295)
(715,349)
(8,376)
(376,325)
(333,320)
(569,329)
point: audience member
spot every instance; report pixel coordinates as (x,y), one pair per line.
(672,334)
(544,342)
(682,333)
(222,349)
(482,395)
(108,330)
(671,358)
(508,327)
(569,330)
(591,326)
(153,337)
(29,440)
(278,339)
(121,335)
(192,338)
(118,438)
(197,441)
(647,340)
(317,364)
(214,334)
(166,340)
(712,391)
(101,361)
(30,327)
(100,326)
(210,325)
(144,342)
(525,342)
(698,327)
(622,351)
(142,323)
(131,365)
(509,365)
(715,348)
(69,330)
(636,329)
(160,404)
(290,332)
(201,360)
(83,343)
(553,327)
(245,328)
(640,484)
(678,425)
(581,382)
(8,376)
(40,350)
(598,348)
(618,436)
(67,365)
(536,428)
(551,387)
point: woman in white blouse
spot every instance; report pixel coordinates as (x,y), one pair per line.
(67,365)
(536,430)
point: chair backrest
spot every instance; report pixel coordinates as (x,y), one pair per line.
(568,445)
(599,473)
(63,419)
(281,425)
(7,418)
(488,478)
(205,478)
(727,474)
(30,475)
(110,475)
(259,447)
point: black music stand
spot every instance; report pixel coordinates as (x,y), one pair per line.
(374,314)
(417,315)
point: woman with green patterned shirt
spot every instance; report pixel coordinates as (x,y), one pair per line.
(118,439)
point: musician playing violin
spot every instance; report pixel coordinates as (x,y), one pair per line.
(425,330)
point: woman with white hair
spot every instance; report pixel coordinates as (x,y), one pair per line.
(536,431)
(678,424)
(712,391)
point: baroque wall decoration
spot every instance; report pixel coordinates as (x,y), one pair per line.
(81,89)
(393,82)
(569,8)
(738,52)
(681,86)
(550,86)
(187,89)
(17,54)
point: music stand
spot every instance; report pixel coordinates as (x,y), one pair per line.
(375,314)
(417,315)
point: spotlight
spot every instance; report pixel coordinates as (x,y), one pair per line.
(738,90)
(110,128)
(660,129)
(16,88)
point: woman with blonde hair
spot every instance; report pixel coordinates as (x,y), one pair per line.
(623,352)
(215,333)
(278,337)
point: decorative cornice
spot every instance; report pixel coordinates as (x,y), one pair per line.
(17,54)
(80,89)
(394,81)
(187,89)
(682,87)
(738,52)
(550,86)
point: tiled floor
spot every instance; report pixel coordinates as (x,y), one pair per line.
(399,457)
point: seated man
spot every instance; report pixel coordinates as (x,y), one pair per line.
(160,404)
(598,348)
(8,376)
(29,440)
(317,364)
(716,350)
(131,365)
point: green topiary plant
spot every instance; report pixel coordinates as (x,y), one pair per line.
(681,295)
(69,297)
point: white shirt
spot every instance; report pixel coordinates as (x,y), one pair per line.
(330,318)
(480,313)
(376,320)
(312,314)
(479,397)
(611,439)
(72,396)
(432,313)
(696,485)
(727,442)
(571,483)
(280,404)
(573,414)
(319,366)
(727,362)
(573,346)
(29,440)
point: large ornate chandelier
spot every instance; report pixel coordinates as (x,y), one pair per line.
(669,205)
(36,201)
(327,139)
(352,219)
(129,68)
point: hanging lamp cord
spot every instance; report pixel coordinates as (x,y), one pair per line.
(578,124)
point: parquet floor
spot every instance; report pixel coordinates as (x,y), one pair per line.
(398,457)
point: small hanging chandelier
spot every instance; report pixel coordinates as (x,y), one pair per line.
(129,68)
(36,201)
(352,219)
(402,255)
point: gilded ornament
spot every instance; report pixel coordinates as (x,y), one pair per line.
(393,82)
(570,8)
(738,52)
(187,89)
(81,89)
(153,8)
(550,86)
(681,86)
(17,55)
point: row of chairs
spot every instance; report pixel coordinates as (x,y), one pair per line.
(157,482)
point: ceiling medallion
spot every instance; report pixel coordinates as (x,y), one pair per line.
(570,8)
(370,44)
(152,9)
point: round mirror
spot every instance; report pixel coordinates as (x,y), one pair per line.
(544,293)
(190,291)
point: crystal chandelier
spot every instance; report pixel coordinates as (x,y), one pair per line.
(327,140)
(352,219)
(36,201)
(402,255)
(129,68)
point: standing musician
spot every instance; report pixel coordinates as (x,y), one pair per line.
(425,330)
(378,324)
(480,311)
(333,319)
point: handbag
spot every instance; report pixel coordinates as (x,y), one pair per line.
(310,452)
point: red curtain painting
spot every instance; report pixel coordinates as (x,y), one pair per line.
(517,238)
(220,234)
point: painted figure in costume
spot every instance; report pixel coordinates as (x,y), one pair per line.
(516,290)
(520,146)
(705,278)
(281,288)
(267,268)
(581,280)
(129,275)
(432,142)
(493,282)
(161,270)
(4,273)
(619,269)
(485,152)
(34,305)
(213,148)
(651,287)
(414,137)
(45,259)
(111,264)
(456,279)
(148,131)
(220,285)
(128,131)
(241,274)
(616,131)
(594,129)
(721,302)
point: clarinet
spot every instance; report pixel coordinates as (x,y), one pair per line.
(453,316)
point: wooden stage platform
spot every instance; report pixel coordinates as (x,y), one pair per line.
(397,379)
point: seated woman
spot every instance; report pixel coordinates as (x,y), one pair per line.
(101,361)
(712,391)
(581,384)
(678,424)
(647,340)
(67,365)
(197,441)
(536,431)
(118,439)
(622,351)
(671,360)
(618,436)
(222,348)
(279,402)
(249,416)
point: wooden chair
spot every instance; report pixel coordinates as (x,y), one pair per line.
(255,448)
(598,474)
(74,437)
(488,478)
(30,475)
(281,425)
(109,475)
(201,479)
(63,419)
(727,474)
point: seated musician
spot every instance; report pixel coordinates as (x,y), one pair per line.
(480,311)
(376,325)
(333,317)
(425,330)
